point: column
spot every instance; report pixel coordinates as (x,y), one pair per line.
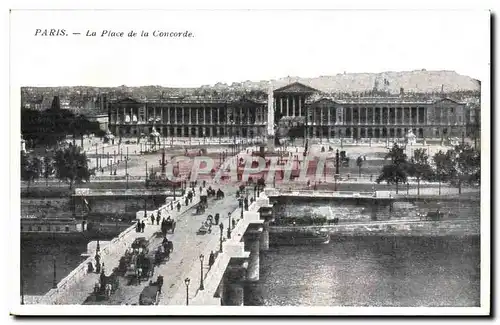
(418,116)
(218,114)
(190,117)
(274,104)
(359,115)
(374,109)
(281,105)
(287,105)
(329,120)
(300,106)
(403,115)
(182,115)
(248,115)
(293,105)
(205,115)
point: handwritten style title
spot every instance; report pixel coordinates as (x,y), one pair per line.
(109,33)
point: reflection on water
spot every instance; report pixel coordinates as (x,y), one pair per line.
(371,271)
(37,265)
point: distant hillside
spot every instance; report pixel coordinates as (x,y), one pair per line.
(419,81)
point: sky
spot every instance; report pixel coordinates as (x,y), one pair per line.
(232,46)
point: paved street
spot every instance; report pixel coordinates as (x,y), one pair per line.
(78,292)
(188,246)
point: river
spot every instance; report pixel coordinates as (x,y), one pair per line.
(371,271)
(354,271)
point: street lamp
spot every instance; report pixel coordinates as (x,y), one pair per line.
(229,226)
(186,281)
(54,282)
(221,226)
(202,287)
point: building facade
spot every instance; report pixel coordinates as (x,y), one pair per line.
(188,117)
(320,116)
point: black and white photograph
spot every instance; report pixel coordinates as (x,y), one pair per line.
(212,161)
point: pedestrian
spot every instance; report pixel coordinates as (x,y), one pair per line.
(152,219)
(217,216)
(138,227)
(143,225)
(178,206)
(211,260)
(158,217)
(200,189)
(159,282)
(234,223)
(187,201)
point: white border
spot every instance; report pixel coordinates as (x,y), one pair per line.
(12,239)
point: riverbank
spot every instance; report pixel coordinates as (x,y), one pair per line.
(404,228)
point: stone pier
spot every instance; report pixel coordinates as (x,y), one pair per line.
(252,245)
(234,283)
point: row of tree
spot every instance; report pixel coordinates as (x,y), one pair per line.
(50,127)
(458,166)
(68,164)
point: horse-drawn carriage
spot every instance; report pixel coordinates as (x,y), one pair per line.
(140,268)
(140,245)
(219,195)
(168,226)
(200,208)
(206,226)
(106,286)
(431,216)
(150,294)
(163,252)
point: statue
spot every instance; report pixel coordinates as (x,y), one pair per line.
(410,138)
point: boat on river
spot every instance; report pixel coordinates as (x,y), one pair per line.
(297,235)
(68,228)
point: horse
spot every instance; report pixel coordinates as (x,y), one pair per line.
(108,289)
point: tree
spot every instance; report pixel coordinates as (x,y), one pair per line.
(48,168)
(396,172)
(71,165)
(419,167)
(359,163)
(466,165)
(31,168)
(443,166)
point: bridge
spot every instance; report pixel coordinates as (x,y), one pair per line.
(237,251)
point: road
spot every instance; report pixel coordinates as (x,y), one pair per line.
(188,246)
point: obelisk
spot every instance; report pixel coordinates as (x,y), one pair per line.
(270,119)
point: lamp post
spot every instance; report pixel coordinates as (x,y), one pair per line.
(221,226)
(126,167)
(54,281)
(229,226)
(202,287)
(186,281)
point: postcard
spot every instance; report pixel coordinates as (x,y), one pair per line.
(250,162)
